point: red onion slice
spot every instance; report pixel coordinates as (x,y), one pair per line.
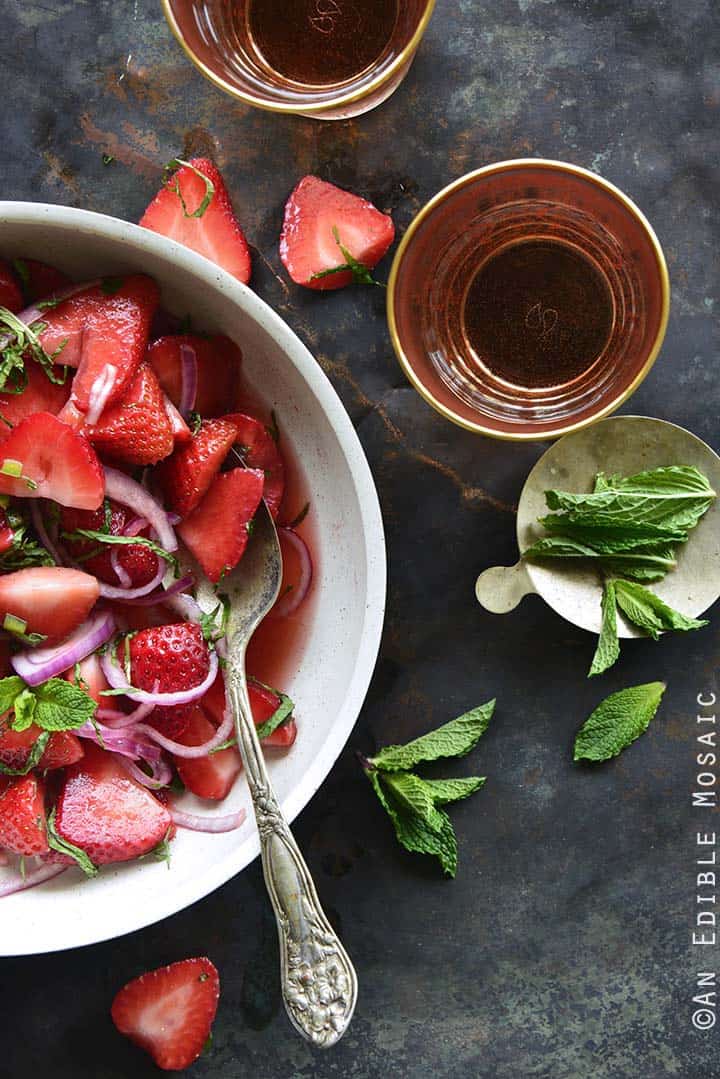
(37,876)
(124,489)
(161,595)
(42,532)
(213,825)
(117,680)
(185,606)
(100,391)
(189,377)
(136,526)
(191,752)
(117,720)
(111,591)
(290,602)
(121,573)
(38,664)
(162,773)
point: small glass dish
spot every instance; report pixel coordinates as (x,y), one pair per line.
(492,211)
(217,35)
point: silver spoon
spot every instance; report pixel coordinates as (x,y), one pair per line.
(318,981)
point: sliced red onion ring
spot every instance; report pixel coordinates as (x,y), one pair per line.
(162,594)
(100,390)
(122,574)
(191,752)
(129,742)
(42,532)
(4,857)
(38,664)
(213,825)
(136,526)
(117,680)
(111,591)
(290,602)
(189,383)
(37,876)
(117,720)
(186,606)
(125,490)
(162,773)
(35,313)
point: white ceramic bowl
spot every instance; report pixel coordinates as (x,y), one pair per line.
(343,634)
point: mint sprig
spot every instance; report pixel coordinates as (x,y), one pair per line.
(361,274)
(55,705)
(414,803)
(618,721)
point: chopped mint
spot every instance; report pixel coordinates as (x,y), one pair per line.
(63,846)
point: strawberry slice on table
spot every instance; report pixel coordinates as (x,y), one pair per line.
(22,816)
(138,561)
(168,659)
(258,449)
(218,369)
(39,395)
(104,332)
(136,429)
(320,220)
(217,530)
(180,211)
(54,461)
(186,476)
(106,813)
(169,1012)
(52,600)
(38,280)
(10,293)
(62,748)
(208,777)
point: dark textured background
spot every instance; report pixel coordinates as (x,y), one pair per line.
(563,947)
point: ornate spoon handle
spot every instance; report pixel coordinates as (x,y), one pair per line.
(318,981)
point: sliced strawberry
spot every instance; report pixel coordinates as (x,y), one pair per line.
(63,748)
(212,776)
(180,431)
(216,532)
(57,463)
(215,234)
(186,476)
(136,429)
(259,449)
(308,244)
(51,599)
(10,294)
(218,368)
(106,813)
(264,704)
(138,561)
(169,1012)
(104,327)
(22,816)
(38,280)
(92,679)
(39,395)
(168,659)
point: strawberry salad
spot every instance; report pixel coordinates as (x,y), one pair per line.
(119,432)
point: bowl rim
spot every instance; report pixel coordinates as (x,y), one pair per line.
(487,170)
(80,932)
(309,108)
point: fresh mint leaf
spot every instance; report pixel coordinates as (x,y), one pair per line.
(444,791)
(410,791)
(651,565)
(128,541)
(38,748)
(617,722)
(649,612)
(414,834)
(453,739)
(282,713)
(10,688)
(63,846)
(25,550)
(608,646)
(24,709)
(361,274)
(177,163)
(612,538)
(22,270)
(61,706)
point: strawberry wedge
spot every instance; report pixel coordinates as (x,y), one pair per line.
(45,458)
(39,395)
(136,430)
(217,530)
(218,362)
(52,600)
(181,211)
(104,332)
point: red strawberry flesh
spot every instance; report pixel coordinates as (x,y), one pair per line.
(52,600)
(217,530)
(56,462)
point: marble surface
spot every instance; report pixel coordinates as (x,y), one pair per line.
(563,949)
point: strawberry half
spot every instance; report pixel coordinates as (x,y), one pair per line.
(308,245)
(138,561)
(10,294)
(136,429)
(102,810)
(265,703)
(169,1012)
(258,449)
(216,532)
(208,777)
(104,327)
(63,748)
(59,462)
(22,816)
(215,233)
(168,659)
(186,476)
(51,599)
(218,367)
(39,395)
